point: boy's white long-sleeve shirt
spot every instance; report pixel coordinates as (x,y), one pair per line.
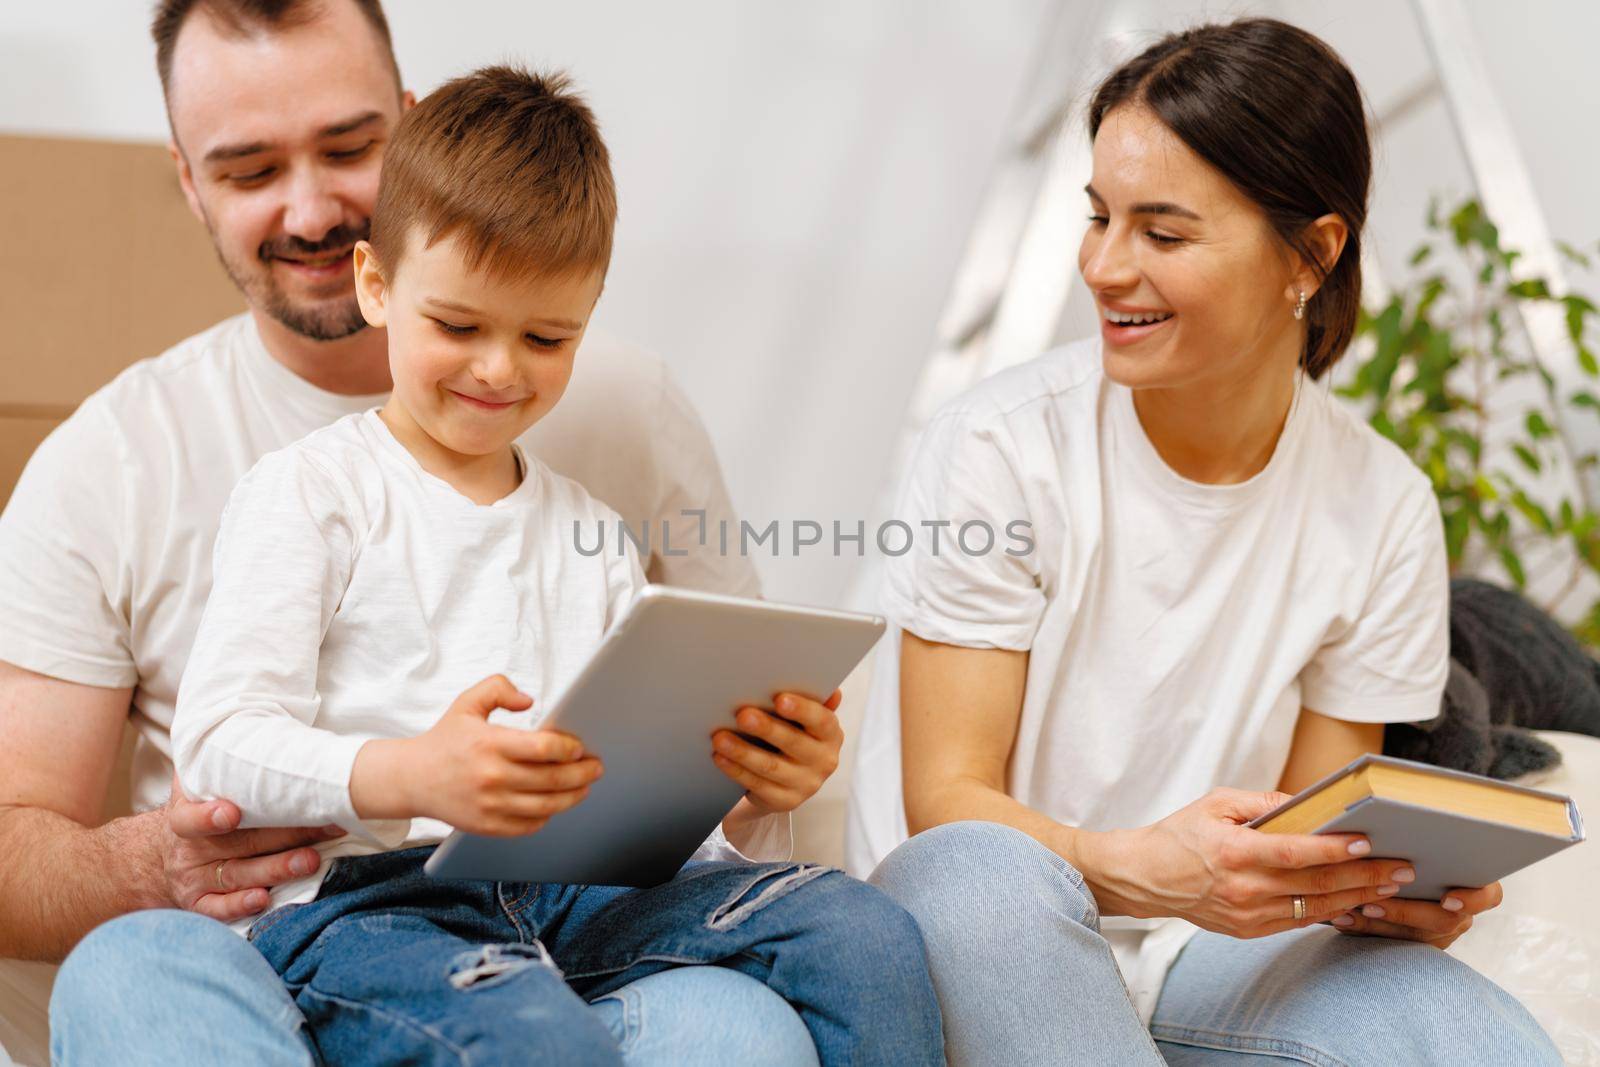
(355,597)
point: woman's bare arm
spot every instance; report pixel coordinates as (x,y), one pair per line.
(1322,745)
(959,710)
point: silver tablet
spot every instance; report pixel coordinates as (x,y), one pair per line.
(672,671)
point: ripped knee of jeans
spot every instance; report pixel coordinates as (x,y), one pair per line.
(763,891)
(484,965)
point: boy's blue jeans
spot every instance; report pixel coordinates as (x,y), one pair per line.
(388,965)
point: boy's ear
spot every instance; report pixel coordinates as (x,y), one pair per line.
(371,289)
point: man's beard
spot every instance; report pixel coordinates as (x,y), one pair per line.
(319,322)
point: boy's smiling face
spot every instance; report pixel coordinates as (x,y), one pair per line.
(477,358)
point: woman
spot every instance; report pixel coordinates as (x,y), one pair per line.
(1232,582)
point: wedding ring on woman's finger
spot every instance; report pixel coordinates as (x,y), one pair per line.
(221,886)
(1299,908)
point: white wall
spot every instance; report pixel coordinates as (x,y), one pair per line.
(797,180)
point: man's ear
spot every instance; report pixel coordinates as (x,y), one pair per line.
(1325,237)
(372,291)
(185,180)
(408,100)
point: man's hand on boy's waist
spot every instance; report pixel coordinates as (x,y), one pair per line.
(211,867)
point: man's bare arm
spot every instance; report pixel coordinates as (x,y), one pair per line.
(64,873)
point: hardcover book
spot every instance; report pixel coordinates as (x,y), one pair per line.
(1459,830)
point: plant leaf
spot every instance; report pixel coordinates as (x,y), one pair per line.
(1532,512)
(1457,528)
(1513,565)
(1573,254)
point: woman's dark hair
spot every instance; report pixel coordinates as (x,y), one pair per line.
(1279,114)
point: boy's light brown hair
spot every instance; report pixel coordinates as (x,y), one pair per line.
(509,163)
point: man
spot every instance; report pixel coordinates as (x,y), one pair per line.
(279,112)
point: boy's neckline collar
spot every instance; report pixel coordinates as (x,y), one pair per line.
(392,446)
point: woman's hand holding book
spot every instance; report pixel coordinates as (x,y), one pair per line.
(1203,864)
(1422,920)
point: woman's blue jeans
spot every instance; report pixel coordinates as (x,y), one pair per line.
(1024,977)
(388,963)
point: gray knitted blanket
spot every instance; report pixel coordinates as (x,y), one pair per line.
(1512,669)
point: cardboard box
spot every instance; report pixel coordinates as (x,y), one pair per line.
(102,265)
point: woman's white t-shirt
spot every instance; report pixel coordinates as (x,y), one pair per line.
(1175,629)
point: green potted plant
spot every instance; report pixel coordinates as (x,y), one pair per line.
(1449,376)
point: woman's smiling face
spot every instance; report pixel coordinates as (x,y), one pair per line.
(1193,286)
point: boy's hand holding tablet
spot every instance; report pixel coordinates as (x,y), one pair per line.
(502,782)
(807,738)
(473,774)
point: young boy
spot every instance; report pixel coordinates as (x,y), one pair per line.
(366,574)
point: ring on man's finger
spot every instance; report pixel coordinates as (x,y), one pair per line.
(221,886)
(1299,908)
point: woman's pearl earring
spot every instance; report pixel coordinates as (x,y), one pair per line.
(1300,305)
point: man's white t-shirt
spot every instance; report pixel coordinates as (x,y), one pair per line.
(1175,629)
(355,596)
(105,545)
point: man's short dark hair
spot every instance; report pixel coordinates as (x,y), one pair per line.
(244,18)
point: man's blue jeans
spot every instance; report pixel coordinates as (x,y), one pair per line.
(156,988)
(389,964)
